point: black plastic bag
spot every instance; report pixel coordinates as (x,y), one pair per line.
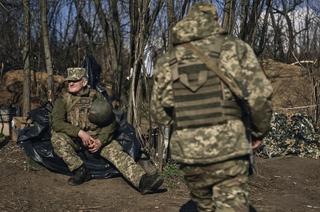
(126,136)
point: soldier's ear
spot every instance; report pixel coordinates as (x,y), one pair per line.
(84,82)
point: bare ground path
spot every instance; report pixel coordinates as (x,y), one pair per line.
(282,184)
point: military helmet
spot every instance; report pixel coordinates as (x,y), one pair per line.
(101,112)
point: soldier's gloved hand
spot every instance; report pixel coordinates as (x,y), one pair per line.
(85,137)
(95,145)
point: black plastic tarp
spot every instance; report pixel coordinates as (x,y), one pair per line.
(35,141)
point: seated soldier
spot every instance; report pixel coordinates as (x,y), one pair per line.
(78,119)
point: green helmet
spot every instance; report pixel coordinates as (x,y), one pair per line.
(101,112)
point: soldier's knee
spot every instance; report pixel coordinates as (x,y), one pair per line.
(111,150)
(114,145)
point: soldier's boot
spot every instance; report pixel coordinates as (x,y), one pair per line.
(150,183)
(80,175)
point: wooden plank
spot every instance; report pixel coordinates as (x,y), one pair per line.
(18,122)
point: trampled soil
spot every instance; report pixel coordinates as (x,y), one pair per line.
(281,184)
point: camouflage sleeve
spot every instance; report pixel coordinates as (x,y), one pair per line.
(239,60)
(162,94)
(59,123)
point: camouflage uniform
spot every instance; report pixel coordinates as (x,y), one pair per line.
(214,156)
(70,115)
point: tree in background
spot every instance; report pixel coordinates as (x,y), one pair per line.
(26,58)
(46,46)
(229,15)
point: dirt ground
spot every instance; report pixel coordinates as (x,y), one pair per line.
(281,184)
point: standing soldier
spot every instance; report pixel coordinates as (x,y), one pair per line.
(208,85)
(83,117)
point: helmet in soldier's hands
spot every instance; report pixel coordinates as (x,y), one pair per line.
(101,112)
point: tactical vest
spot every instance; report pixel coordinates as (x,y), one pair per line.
(199,94)
(78,109)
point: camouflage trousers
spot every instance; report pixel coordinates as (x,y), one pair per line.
(66,148)
(219,187)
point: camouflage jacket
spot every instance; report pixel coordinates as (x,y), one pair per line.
(237,60)
(60,122)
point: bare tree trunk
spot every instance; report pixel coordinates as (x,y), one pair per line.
(146,20)
(317,97)
(85,26)
(229,15)
(249,16)
(306,40)
(142,20)
(277,42)
(291,37)
(138,32)
(107,47)
(263,33)
(286,9)
(114,43)
(252,21)
(171,21)
(133,10)
(185,8)
(26,58)
(243,19)
(134,15)
(46,46)
(118,44)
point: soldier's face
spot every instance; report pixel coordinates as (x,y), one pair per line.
(76,86)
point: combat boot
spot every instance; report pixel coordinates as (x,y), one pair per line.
(80,175)
(150,183)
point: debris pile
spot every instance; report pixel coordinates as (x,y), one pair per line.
(291,135)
